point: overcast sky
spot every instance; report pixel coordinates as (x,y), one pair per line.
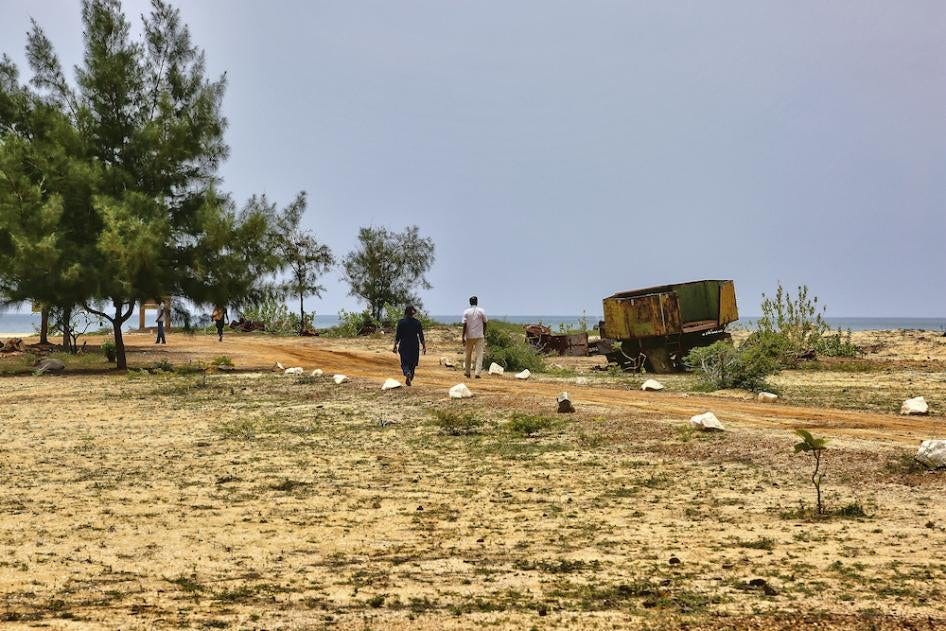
(560,151)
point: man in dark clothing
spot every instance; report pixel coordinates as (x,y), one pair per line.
(162,313)
(409,341)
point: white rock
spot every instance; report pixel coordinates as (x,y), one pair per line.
(496,369)
(932,453)
(916,405)
(317,372)
(460,391)
(278,366)
(339,379)
(652,385)
(768,397)
(581,381)
(296,370)
(707,422)
(390,384)
(525,374)
(446,363)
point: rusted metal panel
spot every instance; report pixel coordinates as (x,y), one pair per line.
(728,311)
(542,338)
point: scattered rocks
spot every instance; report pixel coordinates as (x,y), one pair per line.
(317,372)
(915,407)
(50,366)
(932,454)
(767,397)
(762,585)
(707,422)
(652,385)
(390,384)
(525,374)
(564,404)
(673,561)
(339,379)
(295,370)
(495,369)
(460,391)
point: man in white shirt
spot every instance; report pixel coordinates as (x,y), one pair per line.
(474,335)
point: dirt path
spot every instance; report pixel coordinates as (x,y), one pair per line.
(337,356)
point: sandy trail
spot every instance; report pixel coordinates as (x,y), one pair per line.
(333,356)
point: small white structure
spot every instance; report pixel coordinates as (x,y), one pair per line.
(390,384)
(295,370)
(652,385)
(339,379)
(932,453)
(317,372)
(768,397)
(707,422)
(915,406)
(460,391)
(496,369)
(525,374)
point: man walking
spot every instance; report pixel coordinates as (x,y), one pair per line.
(160,322)
(474,334)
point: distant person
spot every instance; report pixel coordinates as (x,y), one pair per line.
(160,322)
(474,334)
(219,316)
(409,341)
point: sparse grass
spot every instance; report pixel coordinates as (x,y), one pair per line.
(530,425)
(457,422)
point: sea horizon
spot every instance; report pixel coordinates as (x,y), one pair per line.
(18,323)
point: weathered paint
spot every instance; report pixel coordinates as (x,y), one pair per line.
(728,311)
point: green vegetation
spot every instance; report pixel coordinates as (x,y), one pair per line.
(530,425)
(506,345)
(790,326)
(721,365)
(457,423)
(814,447)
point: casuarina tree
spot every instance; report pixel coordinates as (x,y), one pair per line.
(150,131)
(389,267)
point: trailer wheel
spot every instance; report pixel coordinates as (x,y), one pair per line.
(659,360)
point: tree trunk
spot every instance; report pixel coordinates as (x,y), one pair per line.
(44,326)
(67,345)
(301,314)
(120,362)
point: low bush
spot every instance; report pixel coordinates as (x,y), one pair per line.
(510,350)
(221,360)
(529,424)
(837,344)
(721,366)
(456,423)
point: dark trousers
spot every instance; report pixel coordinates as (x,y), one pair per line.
(219,324)
(161,334)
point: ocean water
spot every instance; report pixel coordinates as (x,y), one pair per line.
(27,323)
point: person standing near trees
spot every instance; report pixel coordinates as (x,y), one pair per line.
(219,316)
(409,341)
(160,322)
(474,335)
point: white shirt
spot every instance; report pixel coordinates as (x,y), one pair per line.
(474,318)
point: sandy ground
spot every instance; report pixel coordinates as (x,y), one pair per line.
(256,500)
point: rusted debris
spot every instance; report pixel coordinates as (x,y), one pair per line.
(570,344)
(13,345)
(247,326)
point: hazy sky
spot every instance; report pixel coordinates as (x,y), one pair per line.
(560,151)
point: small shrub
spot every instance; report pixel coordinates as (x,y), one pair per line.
(837,345)
(529,424)
(721,365)
(351,324)
(510,350)
(853,510)
(455,423)
(815,447)
(108,349)
(221,360)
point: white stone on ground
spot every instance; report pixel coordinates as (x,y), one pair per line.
(581,381)
(916,405)
(767,397)
(525,374)
(932,453)
(460,391)
(390,384)
(295,370)
(652,385)
(339,379)
(707,422)
(564,403)
(496,369)
(317,372)
(278,366)
(446,363)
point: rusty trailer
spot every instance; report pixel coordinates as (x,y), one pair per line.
(656,327)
